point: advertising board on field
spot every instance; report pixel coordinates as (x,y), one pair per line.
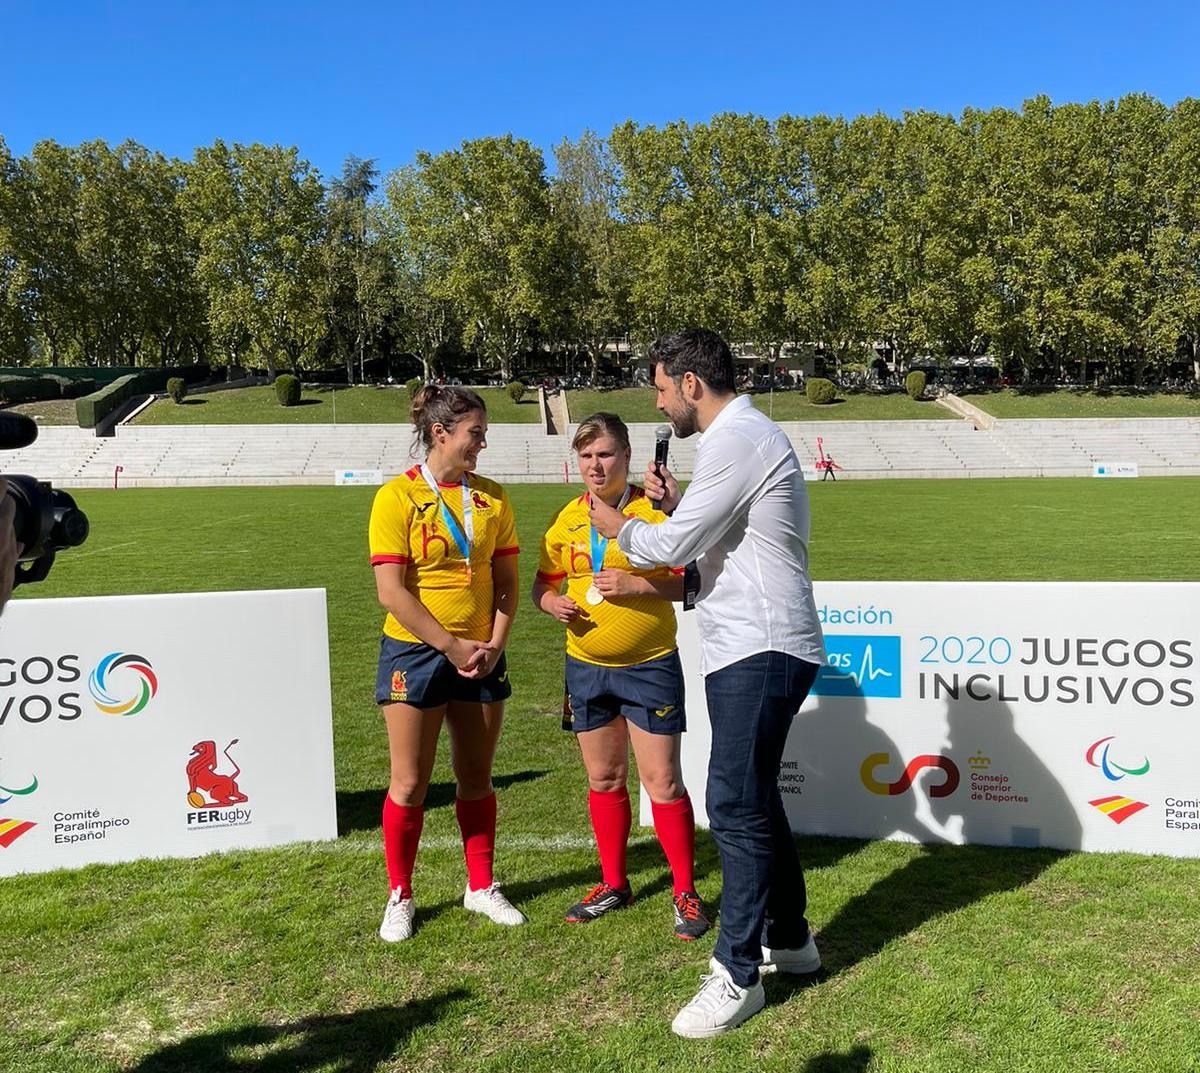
(1114,469)
(357,476)
(1014,714)
(163,726)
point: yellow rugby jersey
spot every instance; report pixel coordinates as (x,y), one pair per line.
(615,633)
(407,527)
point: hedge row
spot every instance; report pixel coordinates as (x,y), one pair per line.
(37,388)
(94,408)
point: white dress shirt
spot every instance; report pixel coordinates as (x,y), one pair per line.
(745,518)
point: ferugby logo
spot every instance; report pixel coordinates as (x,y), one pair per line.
(215,796)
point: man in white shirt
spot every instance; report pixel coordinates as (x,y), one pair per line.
(745,519)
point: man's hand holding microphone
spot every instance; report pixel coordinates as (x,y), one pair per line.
(661,487)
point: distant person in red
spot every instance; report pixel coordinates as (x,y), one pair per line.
(829,465)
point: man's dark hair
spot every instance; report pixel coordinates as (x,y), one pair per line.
(698,351)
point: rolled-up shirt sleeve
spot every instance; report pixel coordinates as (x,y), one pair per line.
(724,481)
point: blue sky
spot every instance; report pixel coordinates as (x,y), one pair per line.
(386,80)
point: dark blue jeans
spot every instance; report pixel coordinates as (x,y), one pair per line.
(750,705)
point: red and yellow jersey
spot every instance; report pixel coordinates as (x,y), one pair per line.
(619,632)
(407,527)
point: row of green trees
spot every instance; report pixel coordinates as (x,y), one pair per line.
(1050,237)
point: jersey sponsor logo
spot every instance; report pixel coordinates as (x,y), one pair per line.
(580,560)
(662,713)
(429,537)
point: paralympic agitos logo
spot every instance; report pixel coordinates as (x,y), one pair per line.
(41,688)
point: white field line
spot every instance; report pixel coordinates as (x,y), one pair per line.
(542,843)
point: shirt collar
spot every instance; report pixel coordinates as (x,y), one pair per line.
(728,412)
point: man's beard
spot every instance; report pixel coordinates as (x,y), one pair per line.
(685,424)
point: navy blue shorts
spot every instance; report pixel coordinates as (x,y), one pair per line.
(417,674)
(649,695)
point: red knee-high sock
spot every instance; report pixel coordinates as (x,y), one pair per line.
(477,822)
(401,835)
(675,825)
(612,819)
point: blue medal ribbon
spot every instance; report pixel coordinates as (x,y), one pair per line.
(600,543)
(464,535)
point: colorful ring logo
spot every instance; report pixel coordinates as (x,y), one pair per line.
(98,684)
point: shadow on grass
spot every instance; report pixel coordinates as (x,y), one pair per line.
(309,402)
(347,1043)
(942,880)
(945,876)
(193,402)
(361,810)
(575,882)
(856,1060)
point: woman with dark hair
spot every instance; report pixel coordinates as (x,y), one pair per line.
(444,551)
(624,683)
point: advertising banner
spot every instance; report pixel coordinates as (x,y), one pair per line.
(163,726)
(1017,714)
(1114,469)
(357,476)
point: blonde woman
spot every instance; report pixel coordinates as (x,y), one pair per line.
(624,683)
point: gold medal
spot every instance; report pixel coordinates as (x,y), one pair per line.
(594,596)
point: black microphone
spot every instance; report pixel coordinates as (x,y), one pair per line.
(662,443)
(16,430)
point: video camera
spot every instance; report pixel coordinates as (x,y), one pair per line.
(46,519)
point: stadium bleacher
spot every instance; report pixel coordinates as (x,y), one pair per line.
(169,455)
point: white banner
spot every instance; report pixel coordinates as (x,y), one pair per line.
(358,476)
(1023,714)
(1114,469)
(163,726)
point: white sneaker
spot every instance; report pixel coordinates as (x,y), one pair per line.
(397,918)
(490,901)
(719,1005)
(804,959)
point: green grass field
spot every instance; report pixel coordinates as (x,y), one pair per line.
(318,406)
(47,412)
(938,958)
(1063,403)
(637,404)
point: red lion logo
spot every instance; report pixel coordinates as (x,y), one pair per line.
(203,777)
